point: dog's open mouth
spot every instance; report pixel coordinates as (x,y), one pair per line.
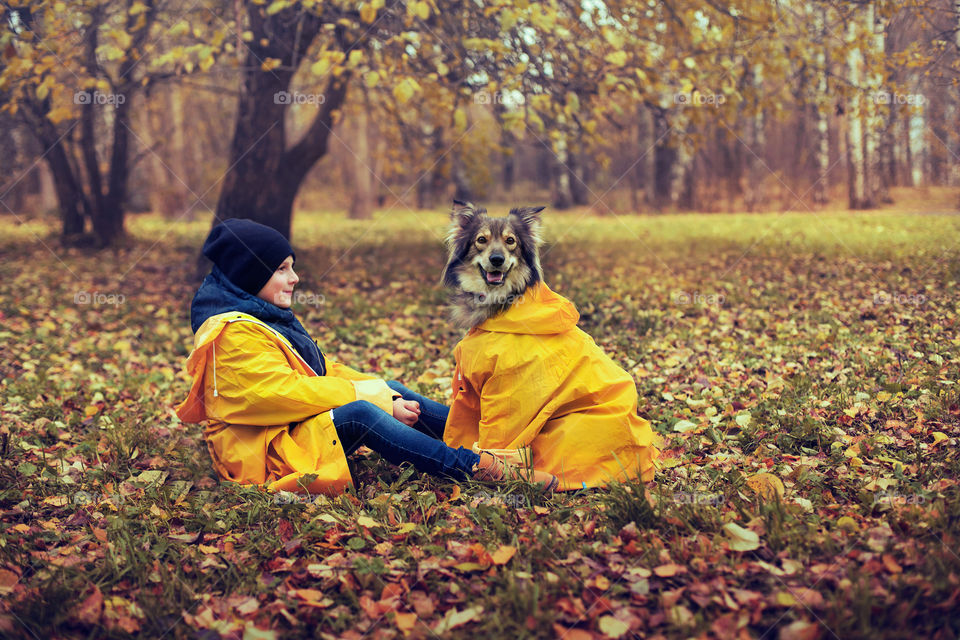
(493,277)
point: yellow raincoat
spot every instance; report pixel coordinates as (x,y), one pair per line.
(266,412)
(530,377)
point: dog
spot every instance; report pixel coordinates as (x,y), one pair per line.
(530,386)
(492,261)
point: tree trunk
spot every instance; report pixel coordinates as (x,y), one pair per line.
(461,182)
(754,194)
(562,196)
(917,145)
(877,187)
(665,156)
(821,189)
(579,192)
(361,178)
(72,202)
(264,175)
(858,198)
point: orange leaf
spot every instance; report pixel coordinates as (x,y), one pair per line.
(89,611)
(891,564)
(668,570)
(503,554)
(405,621)
(8,580)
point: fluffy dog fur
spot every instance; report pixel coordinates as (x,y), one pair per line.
(491,260)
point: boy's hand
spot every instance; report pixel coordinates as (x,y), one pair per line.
(406,411)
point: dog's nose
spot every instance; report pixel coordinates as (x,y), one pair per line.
(496,259)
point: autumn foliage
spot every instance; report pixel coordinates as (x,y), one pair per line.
(801,369)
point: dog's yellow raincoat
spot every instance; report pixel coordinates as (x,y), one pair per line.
(267,412)
(530,377)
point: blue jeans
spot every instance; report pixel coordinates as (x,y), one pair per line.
(363,423)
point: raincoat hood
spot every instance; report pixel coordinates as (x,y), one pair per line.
(218,294)
(538,311)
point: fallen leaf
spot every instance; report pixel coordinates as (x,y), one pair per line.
(799,630)
(454,618)
(766,485)
(612,627)
(667,570)
(741,539)
(503,554)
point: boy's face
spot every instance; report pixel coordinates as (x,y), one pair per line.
(279,288)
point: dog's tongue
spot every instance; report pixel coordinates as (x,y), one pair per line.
(494,276)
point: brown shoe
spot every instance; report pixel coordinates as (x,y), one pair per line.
(491,468)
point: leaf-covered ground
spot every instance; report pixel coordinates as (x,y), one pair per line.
(801,368)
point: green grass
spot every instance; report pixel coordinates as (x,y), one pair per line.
(819,348)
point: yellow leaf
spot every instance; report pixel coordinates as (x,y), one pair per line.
(371,79)
(56,501)
(612,627)
(205,548)
(848,523)
(270,64)
(421,10)
(938,437)
(766,485)
(320,67)
(367,521)
(404,90)
(407,527)
(58,115)
(883,396)
(618,58)
(667,570)
(460,120)
(503,554)
(405,621)
(741,539)
(368,13)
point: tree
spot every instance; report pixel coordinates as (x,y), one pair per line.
(71,72)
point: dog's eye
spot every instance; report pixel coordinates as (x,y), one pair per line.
(481,240)
(510,242)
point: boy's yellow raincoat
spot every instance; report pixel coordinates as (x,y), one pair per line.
(267,412)
(530,377)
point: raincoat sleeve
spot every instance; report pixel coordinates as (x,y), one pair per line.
(510,418)
(341,370)
(256,384)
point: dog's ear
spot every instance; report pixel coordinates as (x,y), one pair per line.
(463,213)
(528,215)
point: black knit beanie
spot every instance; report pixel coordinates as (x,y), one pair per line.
(247,252)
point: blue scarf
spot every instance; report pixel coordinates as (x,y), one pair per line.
(218,295)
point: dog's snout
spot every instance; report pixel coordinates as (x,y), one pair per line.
(496,259)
